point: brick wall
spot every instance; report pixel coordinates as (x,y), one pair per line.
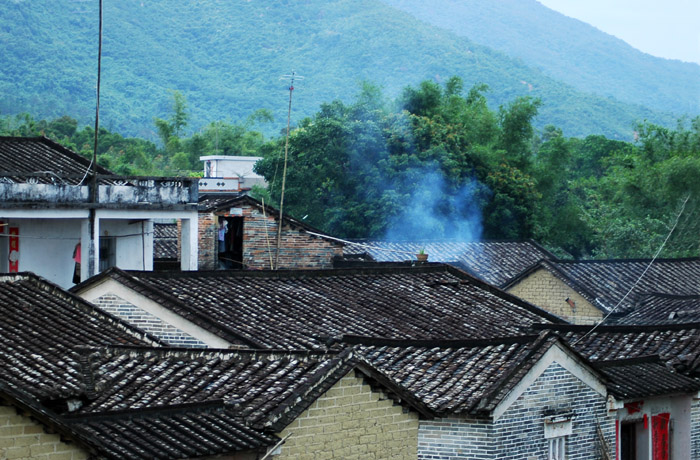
(299,249)
(546,291)
(207,236)
(519,432)
(135,316)
(695,429)
(21,437)
(350,421)
(452,438)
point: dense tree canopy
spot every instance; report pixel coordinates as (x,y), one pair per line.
(438,162)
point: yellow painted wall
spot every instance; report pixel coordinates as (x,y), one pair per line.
(548,292)
(352,422)
(23,438)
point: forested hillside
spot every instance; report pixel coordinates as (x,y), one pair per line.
(226,59)
(567,50)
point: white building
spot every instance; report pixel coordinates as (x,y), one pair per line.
(226,174)
(48,208)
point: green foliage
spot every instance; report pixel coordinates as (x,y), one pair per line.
(225,58)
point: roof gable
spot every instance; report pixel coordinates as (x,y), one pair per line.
(40,326)
(22,156)
(303,309)
(495,261)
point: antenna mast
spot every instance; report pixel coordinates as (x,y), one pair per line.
(291,77)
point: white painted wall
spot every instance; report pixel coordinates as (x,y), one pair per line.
(134,242)
(230,166)
(46,248)
(680,409)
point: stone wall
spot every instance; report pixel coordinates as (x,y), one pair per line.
(135,316)
(351,421)
(299,249)
(23,438)
(548,292)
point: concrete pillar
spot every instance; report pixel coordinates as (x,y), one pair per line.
(188,245)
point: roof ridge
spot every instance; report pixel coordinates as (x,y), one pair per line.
(167,409)
(194,353)
(435,343)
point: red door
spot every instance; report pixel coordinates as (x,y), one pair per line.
(660,436)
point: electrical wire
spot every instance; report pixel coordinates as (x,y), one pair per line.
(675,223)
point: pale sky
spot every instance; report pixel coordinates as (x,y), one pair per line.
(663,28)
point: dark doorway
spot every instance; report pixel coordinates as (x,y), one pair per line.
(628,441)
(232,254)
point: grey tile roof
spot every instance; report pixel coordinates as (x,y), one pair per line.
(264,387)
(190,431)
(677,345)
(302,309)
(49,161)
(663,309)
(495,262)
(165,241)
(644,377)
(457,377)
(605,283)
(40,324)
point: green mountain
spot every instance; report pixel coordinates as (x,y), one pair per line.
(568,50)
(227,57)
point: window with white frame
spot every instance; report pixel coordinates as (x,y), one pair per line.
(557,448)
(556,430)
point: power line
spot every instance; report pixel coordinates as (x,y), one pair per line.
(675,223)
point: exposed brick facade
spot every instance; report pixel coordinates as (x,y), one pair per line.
(298,249)
(351,421)
(543,289)
(23,438)
(150,323)
(519,432)
(695,429)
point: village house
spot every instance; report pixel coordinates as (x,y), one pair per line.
(296,309)
(585,291)
(462,351)
(53,222)
(239,232)
(76,382)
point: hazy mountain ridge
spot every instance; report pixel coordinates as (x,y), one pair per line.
(227,63)
(568,50)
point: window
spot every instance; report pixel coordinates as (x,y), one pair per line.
(557,448)
(556,430)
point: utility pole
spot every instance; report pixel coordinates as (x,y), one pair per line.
(290,77)
(92,250)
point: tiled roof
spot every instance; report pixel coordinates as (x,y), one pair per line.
(644,377)
(213,201)
(664,309)
(165,241)
(677,345)
(302,309)
(457,377)
(606,282)
(495,262)
(190,431)
(264,387)
(40,324)
(22,156)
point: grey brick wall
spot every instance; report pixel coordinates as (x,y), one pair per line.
(695,429)
(146,321)
(519,432)
(449,438)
